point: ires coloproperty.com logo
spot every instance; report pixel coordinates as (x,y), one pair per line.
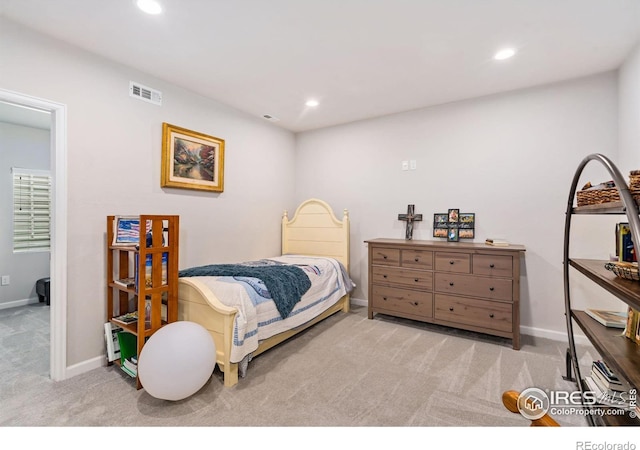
(534,403)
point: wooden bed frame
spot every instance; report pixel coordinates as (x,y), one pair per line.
(314,230)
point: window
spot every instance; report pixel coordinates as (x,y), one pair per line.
(31,210)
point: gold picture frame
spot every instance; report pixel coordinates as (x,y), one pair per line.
(191,160)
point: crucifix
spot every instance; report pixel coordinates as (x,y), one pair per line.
(410,217)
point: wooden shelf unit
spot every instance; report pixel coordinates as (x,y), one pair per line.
(162,296)
(619,352)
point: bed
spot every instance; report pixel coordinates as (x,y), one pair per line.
(233,308)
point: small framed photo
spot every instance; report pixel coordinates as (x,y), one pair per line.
(440,221)
(454,215)
(440,232)
(467,220)
(453,235)
(466,233)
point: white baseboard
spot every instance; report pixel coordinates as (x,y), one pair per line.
(85,366)
(16,303)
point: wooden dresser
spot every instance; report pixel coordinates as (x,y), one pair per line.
(472,286)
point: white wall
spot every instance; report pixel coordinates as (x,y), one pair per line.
(26,148)
(629,112)
(114,160)
(508,158)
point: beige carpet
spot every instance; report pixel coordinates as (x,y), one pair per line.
(347,371)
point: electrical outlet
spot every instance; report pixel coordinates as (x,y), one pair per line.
(5,280)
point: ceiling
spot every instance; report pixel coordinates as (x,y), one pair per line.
(359,58)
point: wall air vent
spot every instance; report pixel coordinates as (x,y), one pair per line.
(270,118)
(145,93)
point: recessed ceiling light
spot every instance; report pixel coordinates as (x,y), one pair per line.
(505,53)
(149,6)
(312,103)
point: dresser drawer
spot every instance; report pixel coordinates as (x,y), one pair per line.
(453,262)
(493,265)
(478,313)
(404,277)
(417,259)
(385,256)
(490,288)
(403,300)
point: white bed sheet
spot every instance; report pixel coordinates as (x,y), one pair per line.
(258,318)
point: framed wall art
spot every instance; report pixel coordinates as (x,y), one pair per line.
(191,160)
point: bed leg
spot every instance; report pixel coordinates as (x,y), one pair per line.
(347,305)
(231,375)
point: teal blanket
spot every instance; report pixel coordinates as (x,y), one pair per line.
(286,283)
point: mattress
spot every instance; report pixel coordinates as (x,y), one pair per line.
(258,318)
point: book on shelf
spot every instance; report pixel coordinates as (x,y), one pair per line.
(149,269)
(497,242)
(611,319)
(604,376)
(127,318)
(111,337)
(607,397)
(129,282)
(130,366)
(624,245)
(631,329)
(128,350)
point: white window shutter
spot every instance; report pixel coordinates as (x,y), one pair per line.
(31,210)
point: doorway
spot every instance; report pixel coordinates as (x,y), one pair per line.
(58,256)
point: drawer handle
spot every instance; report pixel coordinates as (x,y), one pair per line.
(450,283)
(491,288)
(451,262)
(451,308)
(491,315)
(384,298)
(491,265)
(384,276)
(415,303)
(417,259)
(384,256)
(416,279)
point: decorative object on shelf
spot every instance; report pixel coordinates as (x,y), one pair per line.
(607,191)
(410,217)
(191,160)
(177,361)
(454,225)
(626,270)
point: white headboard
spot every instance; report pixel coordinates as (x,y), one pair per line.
(315,230)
